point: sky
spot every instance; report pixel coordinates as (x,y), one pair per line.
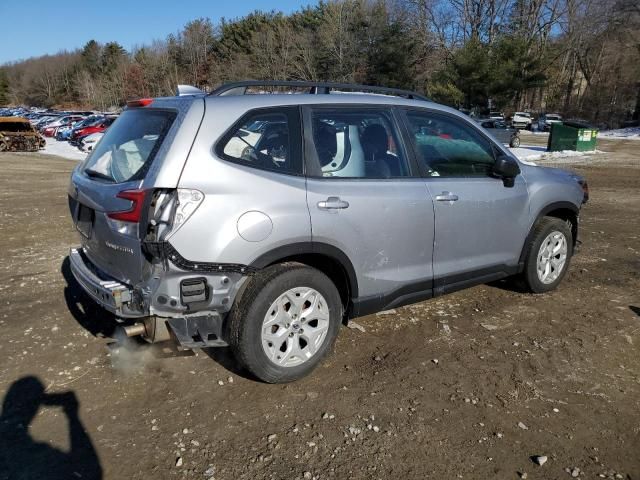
(30,28)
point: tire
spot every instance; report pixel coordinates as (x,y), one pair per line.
(549,233)
(515,142)
(262,312)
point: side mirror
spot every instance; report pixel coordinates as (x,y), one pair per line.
(507,169)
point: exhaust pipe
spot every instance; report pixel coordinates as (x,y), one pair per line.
(135,330)
(152,329)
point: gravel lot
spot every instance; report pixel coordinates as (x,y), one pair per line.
(471,385)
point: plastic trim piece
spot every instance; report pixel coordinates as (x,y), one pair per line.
(166,252)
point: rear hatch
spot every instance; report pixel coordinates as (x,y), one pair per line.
(110,192)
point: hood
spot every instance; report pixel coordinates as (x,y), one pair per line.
(562,174)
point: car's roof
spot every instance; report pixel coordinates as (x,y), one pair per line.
(13,120)
(252,101)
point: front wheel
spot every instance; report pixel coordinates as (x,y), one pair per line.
(515,142)
(548,256)
(285,322)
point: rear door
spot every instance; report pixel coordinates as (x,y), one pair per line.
(110,190)
(480,223)
(366,199)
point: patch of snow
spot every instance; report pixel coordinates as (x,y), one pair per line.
(534,132)
(63,149)
(528,154)
(630,133)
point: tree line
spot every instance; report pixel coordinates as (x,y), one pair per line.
(577,57)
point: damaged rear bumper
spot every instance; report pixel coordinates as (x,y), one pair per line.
(190,330)
(111,294)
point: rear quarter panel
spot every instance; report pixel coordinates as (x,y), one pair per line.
(273,201)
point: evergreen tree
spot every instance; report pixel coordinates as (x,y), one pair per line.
(4,87)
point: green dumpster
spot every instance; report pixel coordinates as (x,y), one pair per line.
(569,135)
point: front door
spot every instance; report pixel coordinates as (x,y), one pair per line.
(366,199)
(480,224)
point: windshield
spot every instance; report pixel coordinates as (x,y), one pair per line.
(129,145)
(553,117)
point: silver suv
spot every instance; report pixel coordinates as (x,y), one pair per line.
(263,221)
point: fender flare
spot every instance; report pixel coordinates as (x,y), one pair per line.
(542,213)
(306,248)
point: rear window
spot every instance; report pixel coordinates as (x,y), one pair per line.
(129,145)
(15,127)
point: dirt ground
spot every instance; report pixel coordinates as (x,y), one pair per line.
(470,385)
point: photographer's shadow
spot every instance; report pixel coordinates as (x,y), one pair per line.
(21,457)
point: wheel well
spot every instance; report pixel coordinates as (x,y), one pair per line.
(331,267)
(567,215)
(560,211)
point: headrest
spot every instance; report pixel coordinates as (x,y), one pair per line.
(324,138)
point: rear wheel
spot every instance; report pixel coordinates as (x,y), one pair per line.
(285,322)
(515,142)
(548,256)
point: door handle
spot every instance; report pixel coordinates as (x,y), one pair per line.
(333,203)
(446,197)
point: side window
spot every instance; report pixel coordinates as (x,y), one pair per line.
(448,147)
(357,143)
(264,139)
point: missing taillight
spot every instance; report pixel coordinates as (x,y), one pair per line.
(134,213)
(188,201)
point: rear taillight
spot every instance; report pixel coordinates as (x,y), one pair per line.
(135,212)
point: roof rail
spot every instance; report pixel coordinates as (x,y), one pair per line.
(240,88)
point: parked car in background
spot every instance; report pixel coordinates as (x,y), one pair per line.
(547,119)
(51,129)
(343,206)
(496,115)
(99,125)
(90,120)
(88,142)
(43,120)
(63,133)
(18,135)
(501,131)
(521,120)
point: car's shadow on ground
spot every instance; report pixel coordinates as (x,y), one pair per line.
(85,311)
(509,284)
(224,357)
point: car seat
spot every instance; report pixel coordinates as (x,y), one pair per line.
(380,163)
